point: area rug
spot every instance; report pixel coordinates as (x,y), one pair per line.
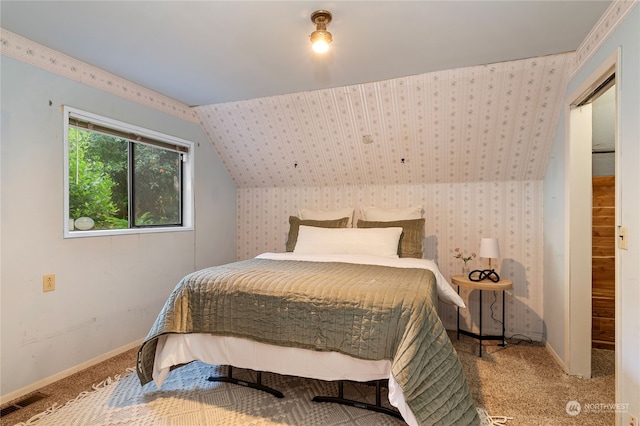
(188,398)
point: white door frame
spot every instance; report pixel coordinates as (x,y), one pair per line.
(578,230)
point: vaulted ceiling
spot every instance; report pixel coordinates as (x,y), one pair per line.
(484,123)
(440,91)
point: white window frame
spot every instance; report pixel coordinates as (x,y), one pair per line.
(187,183)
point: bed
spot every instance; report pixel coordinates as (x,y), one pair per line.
(333,316)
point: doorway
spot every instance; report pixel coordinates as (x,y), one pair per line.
(603,218)
(580,265)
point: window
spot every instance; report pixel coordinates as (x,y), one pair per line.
(123,179)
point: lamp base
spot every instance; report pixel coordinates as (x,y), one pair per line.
(486,274)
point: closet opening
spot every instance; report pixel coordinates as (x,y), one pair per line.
(592,215)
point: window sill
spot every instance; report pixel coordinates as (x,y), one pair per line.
(129,231)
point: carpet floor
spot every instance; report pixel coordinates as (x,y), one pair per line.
(521,382)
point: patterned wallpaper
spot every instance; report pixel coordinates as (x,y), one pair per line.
(457,215)
(485,123)
(605,25)
(475,142)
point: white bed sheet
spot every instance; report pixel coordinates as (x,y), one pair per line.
(176,349)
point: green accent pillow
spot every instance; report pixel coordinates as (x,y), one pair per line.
(410,244)
(295,222)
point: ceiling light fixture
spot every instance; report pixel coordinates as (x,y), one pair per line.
(321,38)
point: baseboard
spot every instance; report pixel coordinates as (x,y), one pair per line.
(556,357)
(66,373)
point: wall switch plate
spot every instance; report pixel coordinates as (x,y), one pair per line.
(622,238)
(48,282)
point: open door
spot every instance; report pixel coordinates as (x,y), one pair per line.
(579,250)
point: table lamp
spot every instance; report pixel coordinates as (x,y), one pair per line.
(489,249)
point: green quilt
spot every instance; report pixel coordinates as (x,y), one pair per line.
(365,311)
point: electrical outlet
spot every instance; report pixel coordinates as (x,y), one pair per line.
(622,238)
(49,282)
(633,420)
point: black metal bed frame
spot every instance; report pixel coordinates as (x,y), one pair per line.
(257,385)
(340,399)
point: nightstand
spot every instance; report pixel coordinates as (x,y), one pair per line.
(502,285)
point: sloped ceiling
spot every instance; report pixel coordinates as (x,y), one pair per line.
(403,75)
(485,123)
(211,51)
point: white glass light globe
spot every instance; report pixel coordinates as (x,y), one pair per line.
(320,46)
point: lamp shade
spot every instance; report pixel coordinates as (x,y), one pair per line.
(489,248)
(320,41)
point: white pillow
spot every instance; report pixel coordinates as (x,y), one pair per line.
(308,214)
(389,215)
(371,241)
